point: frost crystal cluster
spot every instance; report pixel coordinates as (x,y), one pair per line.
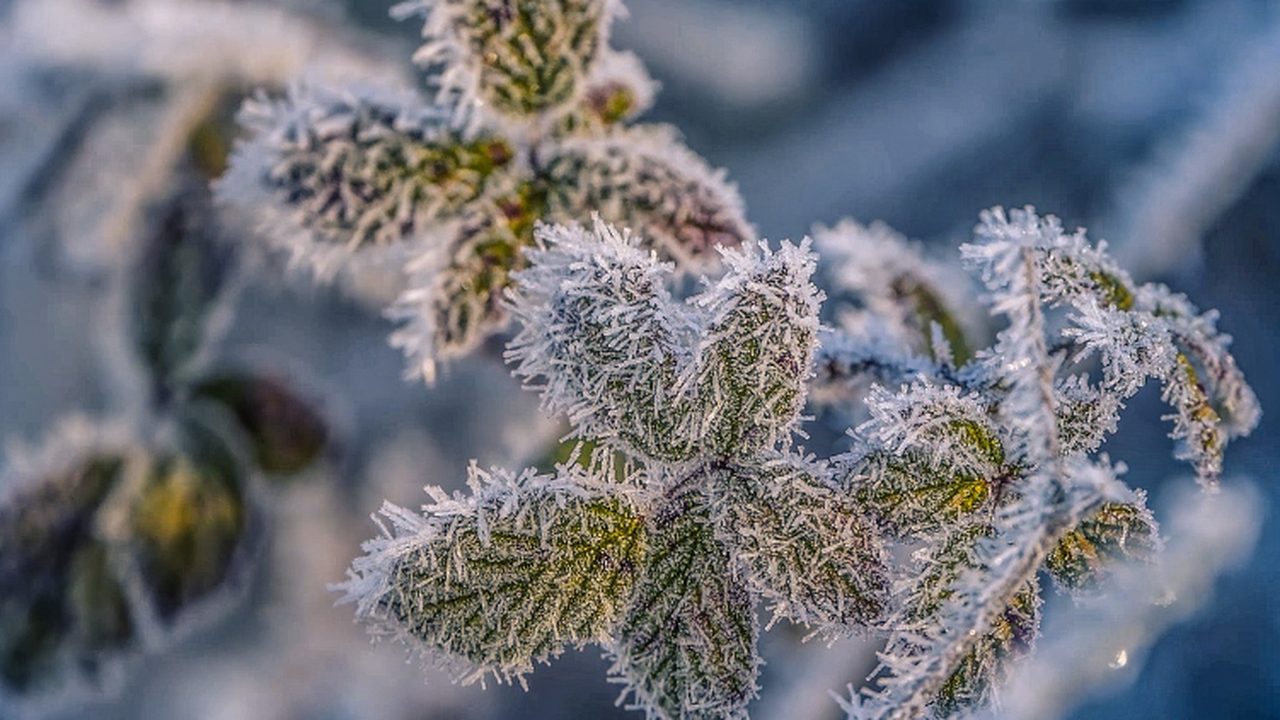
(529,118)
(986,470)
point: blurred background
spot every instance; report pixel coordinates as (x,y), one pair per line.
(1154,123)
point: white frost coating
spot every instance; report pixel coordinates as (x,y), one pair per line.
(522,502)
(605,343)
(305,171)
(600,334)
(884,273)
(1005,255)
(624,69)
(74,438)
(984,468)
(448,45)
(1210,534)
(846,363)
(921,657)
(1139,332)
(922,416)
(643,178)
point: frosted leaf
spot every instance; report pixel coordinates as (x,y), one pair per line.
(1133,346)
(332,173)
(987,666)
(938,566)
(943,422)
(971,581)
(618,91)
(891,279)
(468,289)
(804,545)
(453,299)
(686,645)
(762,326)
(1086,415)
(605,339)
(846,364)
(1139,332)
(644,179)
(1115,533)
(618,354)
(518,58)
(1210,534)
(929,456)
(1197,335)
(504,577)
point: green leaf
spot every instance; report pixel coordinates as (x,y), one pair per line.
(940,568)
(806,547)
(490,246)
(645,180)
(687,645)
(182,273)
(58,596)
(909,495)
(510,576)
(1012,636)
(1116,533)
(758,350)
(533,56)
(188,524)
(602,333)
(928,307)
(286,432)
(379,183)
(99,609)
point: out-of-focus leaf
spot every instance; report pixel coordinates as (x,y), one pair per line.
(1116,533)
(1012,636)
(286,431)
(180,276)
(59,599)
(645,180)
(188,525)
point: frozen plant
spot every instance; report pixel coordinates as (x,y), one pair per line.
(663,561)
(695,505)
(529,118)
(687,502)
(121,534)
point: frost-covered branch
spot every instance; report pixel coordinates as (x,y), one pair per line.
(986,470)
